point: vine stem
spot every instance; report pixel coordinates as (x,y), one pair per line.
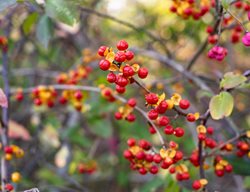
(236,18)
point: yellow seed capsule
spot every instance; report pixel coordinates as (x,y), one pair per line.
(19,153)
(248,134)
(219,167)
(223,162)
(16,177)
(8,157)
(176,98)
(203,182)
(170,104)
(201,129)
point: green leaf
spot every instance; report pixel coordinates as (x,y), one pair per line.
(221,105)
(101,127)
(231,80)
(240,165)
(43,31)
(4,4)
(62,10)
(28,22)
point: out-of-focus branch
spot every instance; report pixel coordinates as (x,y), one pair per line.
(161,41)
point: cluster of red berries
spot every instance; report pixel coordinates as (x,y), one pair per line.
(143,159)
(221,166)
(190,8)
(126,112)
(217,53)
(13,151)
(243,149)
(118,62)
(88,167)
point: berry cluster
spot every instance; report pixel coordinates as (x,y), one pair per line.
(118,62)
(144,159)
(125,112)
(221,166)
(190,8)
(217,53)
(88,167)
(243,149)
(43,95)
(3,43)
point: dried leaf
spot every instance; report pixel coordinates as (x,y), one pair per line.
(17,131)
(3,99)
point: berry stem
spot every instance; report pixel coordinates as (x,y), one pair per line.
(140,85)
(236,18)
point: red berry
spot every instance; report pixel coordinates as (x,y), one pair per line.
(132,102)
(50,104)
(8,187)
(172,170)
(111,77)
(140,155)
(210,130)
(131,142)
(8,149)
(209,29)
(120,89)
(173,9)
(19,96)
(104,64)
(102,50)
(178,156)
(196,185)
(131,117)
(185,176)
(219,173)
(143,73)
(63,100)
(120,56)
(151,98)
(152,114)
(121,81)
(127,154)
(149,158)
(152,130)
(169,130)
(142,171)
(37,102)
(162,107)
(184,104)
(122,45)
(128,71)
(118,115)
(229,168)
(157,158)
(190,117)
(163,121)
(201,136)
(179,132)
(129,55)
(153,169)
(78,95)
(144,144)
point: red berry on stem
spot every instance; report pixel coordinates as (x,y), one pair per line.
(143,73)
(131,142)
(210,130)
(118,115)
(127,154)
(132,102)
(184,104)
(152,114)
(131,117)
(102,50)
(104,64)
(122,45)
(169,130)
(120,56)
(120,89)
(157,158)
(129,55)
(121,81)
(163,121)
(142,171)
(196,185)
(151,98)
(111,77)
(179,132)
(128,71)
(153,169)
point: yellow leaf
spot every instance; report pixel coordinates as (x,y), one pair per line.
(110,57)
(176,98)
(203,182)
(113,67)
(135,67)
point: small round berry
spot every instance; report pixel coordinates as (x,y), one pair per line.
(163,121)
(104,64)
(219,173)
(149,158)
(8,149)
(37,102)
(128,71)
(179,132)
(120,56)
(152,130)
(78,95)
(152,114)
(122,45)
(196,185)
(151,98)
(172,170)
(229,168)
(111,77)
(153,169)
(190,117)
(142,171)
(129,55)
(144,144)
(140,155)
(143,72)
(121,81)
(50,104)
(102,50)
(184,104)
(201,136)
(131,142)
(19,96)
(210,130)
(120,89)
(178,156)
(131,117)
(132,102)
(162,107)
(128,154)
(169,130)
(118,115)
(15,177)
(157,158)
